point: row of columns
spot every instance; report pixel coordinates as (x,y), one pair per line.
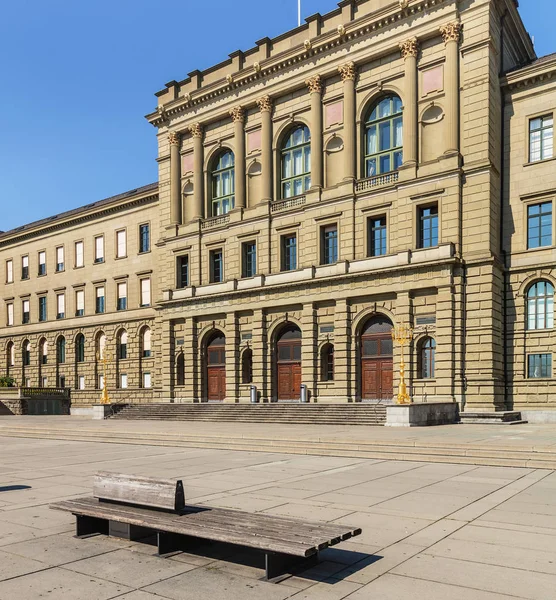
(348,73)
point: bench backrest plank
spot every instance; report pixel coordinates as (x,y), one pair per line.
(166,494)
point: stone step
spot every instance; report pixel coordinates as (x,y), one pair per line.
(492,418)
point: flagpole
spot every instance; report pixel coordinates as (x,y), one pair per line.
(299,13)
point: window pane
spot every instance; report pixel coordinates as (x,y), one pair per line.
(384,136)
(371,140)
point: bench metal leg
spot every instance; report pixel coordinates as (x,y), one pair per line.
(127,531)
(90,526)
(279,566)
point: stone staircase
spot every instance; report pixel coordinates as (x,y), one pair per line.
(301,414)
(492,418)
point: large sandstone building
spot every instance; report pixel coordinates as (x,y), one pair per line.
(388,163)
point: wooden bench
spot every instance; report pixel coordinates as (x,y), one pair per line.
(135,508)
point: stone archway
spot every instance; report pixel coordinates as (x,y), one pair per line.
(376,356)
(288,363)
(215,367)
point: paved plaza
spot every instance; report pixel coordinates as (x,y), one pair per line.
(430,531)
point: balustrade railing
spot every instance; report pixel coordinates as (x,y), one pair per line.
(373,182)
(287,203)
(215,221)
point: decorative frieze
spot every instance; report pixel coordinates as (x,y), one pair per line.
(238,114)
(265,104)
(196,130)
(348,72)
(409,48)
(314,84)
(451,32)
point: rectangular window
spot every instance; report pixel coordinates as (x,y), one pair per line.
(541,138)
(79,255)
(539,366)
(289,252)
(79,303)
(26,308)
(99,303)
(62,381)
(122,296)
(428,226)
(101,382)
(123,380)
(44,382)
(99,249)
(216,266)
(10,314)
(24,267)
(147,380)
(377,236)
(144,238)
(329,244)
(42,308)
(59,259)
(60,306)
(42,263)
(539,225)
(121,244)
(9,271)
(145,292)
(81,382)
(182,271)
(249,259)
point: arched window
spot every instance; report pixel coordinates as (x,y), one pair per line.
(43,352)
(384,137)
(180,369)
(26,353)
(101,344)
(146,343)
(223,184)
(80,348)
(122,345)
(296,162)
(247,366)
(540,306)
(427,351)
(61,350)
(327,362)
(10,357)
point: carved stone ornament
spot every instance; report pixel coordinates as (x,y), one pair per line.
(341,29)
(307,44)
(187,97)
(196,130)
(314,84)
(409,48)
(404,4)
(237,114)
(265,104)
(451,32)
(257,67)
(230,78)
(174,138)
(348,71)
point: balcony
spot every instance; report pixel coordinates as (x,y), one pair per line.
(364,185)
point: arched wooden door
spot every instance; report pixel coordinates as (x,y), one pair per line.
(216,368)
(288,352)
(377,359)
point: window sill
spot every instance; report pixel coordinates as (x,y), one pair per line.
(539,162)
(120,257)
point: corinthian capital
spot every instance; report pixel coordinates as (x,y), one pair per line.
(196,130)
(314,84)
(174,138)
(348,72)
(409,48)
(237,114)
(265,104)
(451,32)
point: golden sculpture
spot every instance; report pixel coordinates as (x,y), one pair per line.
(402,335)
(104,358)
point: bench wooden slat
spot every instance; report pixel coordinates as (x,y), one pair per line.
(263,532)
(167,494)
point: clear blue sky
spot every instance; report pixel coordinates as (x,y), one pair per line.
(77,78)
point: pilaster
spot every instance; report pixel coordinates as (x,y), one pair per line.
(451,34)
(238,117)
(175,178)
(197,211)
(309,348)
(410,50)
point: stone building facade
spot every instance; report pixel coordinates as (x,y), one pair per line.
(367,169)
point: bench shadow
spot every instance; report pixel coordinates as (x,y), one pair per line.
(14,488)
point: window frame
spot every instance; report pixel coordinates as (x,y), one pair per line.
(426,358)
(216,174)
(121,301)
(248,259)
(9,270)
(541,129)
(182,259)
(420,225)
(529,218)
(60,314)
(213,254)
(76,265)
(288,151)
(284,252)
(79,312)
(60,266)
(97,298)
(142,280)
(545,301)
(24,268)
(25,314)
(141,249)
(43,316)
(41,270)
(528,374)
(117,234)
(383,236)
(96,258)
(329,255)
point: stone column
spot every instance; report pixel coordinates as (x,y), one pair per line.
(451,35)
(238,117)
(348,73)
(315,88)
(265,106)
(196,131)
(175,178)
(410,50)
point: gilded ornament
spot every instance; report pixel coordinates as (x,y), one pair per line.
(402,335)
(451,32)
(237,114)
(196,130)
(307,44)
(265,104)
(257,67)
(409,48)
(341,29)
(173,138)
(314,84)
(348,71)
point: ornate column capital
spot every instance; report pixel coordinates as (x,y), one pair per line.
(196,130)
(265,104)
(314,84)
(409,48)
(238,114)
(348,72)
(174,138)
(451,32)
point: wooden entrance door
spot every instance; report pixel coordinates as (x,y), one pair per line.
(377,360)
(216,369)
(289,364)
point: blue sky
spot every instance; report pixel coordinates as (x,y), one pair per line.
(77,78)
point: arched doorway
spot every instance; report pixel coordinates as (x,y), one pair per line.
(216,367)
(376,350)
(288,352)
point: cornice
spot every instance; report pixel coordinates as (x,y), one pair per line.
(302,53)
(537,72)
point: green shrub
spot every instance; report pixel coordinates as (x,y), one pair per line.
(7,382)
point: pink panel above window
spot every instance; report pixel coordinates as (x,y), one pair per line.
(334,113)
